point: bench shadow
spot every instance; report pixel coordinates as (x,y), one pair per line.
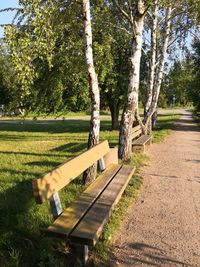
(142,253)
(20,223)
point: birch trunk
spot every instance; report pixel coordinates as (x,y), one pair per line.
(160,68)
(93,138)
(125,140)
(114,110)
(152,66)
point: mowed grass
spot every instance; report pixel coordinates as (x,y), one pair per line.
(27,150)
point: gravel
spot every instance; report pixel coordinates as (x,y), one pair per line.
(163,227)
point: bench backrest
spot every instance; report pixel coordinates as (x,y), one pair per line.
(51,182)
(136,131)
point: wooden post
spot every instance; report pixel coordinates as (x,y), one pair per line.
(55,205)
(82,253)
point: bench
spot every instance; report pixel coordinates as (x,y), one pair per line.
(138,145)
(82,223)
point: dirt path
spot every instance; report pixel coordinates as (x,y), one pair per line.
(163,227)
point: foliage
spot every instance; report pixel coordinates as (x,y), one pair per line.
(194,85)
(176,87)
(47,56)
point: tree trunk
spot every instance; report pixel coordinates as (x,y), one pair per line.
(125,140)
(160,68)
(154,120)
(93,138)
(114,110)
(152,66)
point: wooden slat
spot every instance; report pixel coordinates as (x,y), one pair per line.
(136,134)
(136,128)
(71,216)
(142,140)
(136,131)
(91,226)
(55,180)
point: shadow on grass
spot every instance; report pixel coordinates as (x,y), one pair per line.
(71,147)
(171,114)
(15,235)
(21,242)
(31,154)
(70,126)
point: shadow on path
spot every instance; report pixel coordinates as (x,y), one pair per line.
(149,255)
(186,124)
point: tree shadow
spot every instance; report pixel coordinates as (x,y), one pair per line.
(142,253)
(193,160)
(69,126)
(71,147)
(44,163)
(30,154)
(171,114)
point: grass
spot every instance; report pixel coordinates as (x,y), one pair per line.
(27,150)
(164,127)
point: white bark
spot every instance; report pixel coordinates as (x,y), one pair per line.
(92,77)
(125,140)
(93,139)
(152,63)
(160,67)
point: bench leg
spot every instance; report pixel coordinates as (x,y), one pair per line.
(149,142)
(138,149)
(82,253)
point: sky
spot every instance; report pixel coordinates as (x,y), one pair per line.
(6,17)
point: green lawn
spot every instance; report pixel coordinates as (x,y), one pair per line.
(27,150)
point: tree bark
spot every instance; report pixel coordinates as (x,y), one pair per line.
(152,66)
(160,68)
(125,140)
(152,62)
(93,138)
(114,110)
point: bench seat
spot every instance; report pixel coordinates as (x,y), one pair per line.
(139,144)
(68,220)
(84,220)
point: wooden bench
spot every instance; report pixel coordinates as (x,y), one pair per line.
(139,139)
(82,223)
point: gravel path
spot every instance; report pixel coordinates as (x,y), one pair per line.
(163,227)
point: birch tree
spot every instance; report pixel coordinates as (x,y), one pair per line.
(94,89)
(177,24)
(134,12)
(152,63)
(156,76)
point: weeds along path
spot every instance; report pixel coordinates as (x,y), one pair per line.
(163,227)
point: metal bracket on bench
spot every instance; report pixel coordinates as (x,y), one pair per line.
(102,165)
(55,205)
